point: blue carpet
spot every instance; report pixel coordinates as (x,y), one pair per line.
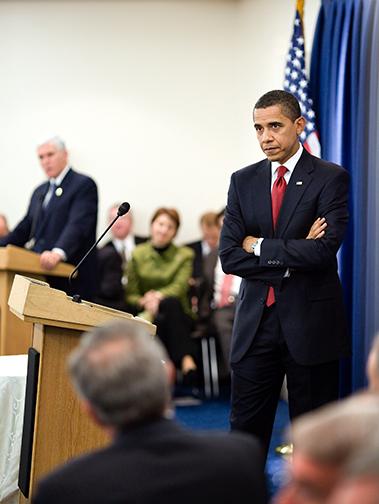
(215,415)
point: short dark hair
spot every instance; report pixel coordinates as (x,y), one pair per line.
(287,101)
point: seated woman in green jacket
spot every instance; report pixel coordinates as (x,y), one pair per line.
(158,275)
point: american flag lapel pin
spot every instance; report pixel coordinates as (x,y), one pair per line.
(299,182)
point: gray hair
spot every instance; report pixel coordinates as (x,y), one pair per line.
(119,369)
(366,460)
(334,433)
(54,140)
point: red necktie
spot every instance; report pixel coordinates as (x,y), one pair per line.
(277,195)
(226,289)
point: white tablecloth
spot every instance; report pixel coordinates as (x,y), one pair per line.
(12,395)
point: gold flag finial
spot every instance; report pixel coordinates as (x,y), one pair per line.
(300,7)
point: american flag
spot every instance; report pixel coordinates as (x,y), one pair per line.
(296,82)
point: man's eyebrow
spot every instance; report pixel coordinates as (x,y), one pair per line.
(272,123)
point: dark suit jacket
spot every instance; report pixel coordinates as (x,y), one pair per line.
(198,258)
(309,302)
(160,462)
(110,291)
(202,290)
(68,222)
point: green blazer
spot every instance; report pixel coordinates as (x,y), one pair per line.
(167,272)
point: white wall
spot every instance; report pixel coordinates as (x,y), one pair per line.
(153,97)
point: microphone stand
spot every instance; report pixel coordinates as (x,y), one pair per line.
(122,210)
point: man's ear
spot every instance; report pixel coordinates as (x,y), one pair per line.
(300,125)
(170,372)
(89,410)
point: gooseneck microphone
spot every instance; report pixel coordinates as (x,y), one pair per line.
(122,210)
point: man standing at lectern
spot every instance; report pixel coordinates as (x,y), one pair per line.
(60,223)
(284,223)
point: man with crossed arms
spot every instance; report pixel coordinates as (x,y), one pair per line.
(284,223)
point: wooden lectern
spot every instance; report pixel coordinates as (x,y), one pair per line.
(15,335)
(58,429)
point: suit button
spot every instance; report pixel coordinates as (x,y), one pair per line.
(269,261)
(262,300)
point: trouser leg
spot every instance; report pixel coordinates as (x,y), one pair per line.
(174,330)
(310,387)
(257,380)
(223,322)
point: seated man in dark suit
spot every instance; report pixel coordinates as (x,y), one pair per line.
(122,378)
(60,223)
(112,261)
(225,290)
(204,263)
(210,232)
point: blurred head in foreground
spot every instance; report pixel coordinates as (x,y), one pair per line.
(326,442)
(121,375)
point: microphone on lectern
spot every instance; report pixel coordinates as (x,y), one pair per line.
(122,210)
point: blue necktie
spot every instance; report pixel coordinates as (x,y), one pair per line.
(49,195)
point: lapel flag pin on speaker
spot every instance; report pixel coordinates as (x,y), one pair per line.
(299,182)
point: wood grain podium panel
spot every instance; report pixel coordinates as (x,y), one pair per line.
(15,334)
(62,430)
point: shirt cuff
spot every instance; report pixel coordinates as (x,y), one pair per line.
(61,252)
(257,248)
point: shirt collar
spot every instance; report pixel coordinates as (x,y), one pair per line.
(206,249)
(290,163)
(118,244)
(127,244)
(58,180)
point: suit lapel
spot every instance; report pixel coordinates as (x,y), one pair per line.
(53,201)
(41,214)
(299,181)
(262,198)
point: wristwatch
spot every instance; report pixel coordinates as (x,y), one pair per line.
(253,245)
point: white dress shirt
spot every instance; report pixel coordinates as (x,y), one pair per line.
(57,181)
(126,246)
(290,165)
(217,286)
